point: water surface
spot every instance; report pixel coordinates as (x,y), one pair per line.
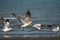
(42,11)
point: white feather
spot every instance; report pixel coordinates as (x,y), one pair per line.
(37,26)
(55,29)
(10,18)
(6,27)
(26,24)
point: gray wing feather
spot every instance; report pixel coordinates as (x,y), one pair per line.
(19,18)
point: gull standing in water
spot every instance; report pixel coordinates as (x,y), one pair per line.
(6,26)
(26,21)
(55,29)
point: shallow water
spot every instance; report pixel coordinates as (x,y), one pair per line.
(42,11)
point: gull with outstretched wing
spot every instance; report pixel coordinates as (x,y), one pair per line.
(6,26)
(26,21)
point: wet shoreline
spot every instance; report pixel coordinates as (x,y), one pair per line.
(28,38)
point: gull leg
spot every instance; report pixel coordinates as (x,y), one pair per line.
(4,34)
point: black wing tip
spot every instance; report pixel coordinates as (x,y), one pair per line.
(28,13)
(13,14)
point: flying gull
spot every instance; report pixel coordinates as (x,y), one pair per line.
(26,21)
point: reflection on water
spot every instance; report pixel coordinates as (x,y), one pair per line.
(7,36)
(29,32)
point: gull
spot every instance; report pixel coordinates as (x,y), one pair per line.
(37,26)
(25,21)
(55,29)
(6,26)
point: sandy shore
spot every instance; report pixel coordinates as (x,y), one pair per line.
(27,38)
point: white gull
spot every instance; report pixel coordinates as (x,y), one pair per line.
(37,26)
(55,29)
(6,26)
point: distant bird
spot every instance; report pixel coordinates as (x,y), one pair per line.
(26,21)
(55,29)
(6,25)
(37,26)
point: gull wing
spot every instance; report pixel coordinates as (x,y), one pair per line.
(19,18)
(9,18)
(2,19)
(28,16)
